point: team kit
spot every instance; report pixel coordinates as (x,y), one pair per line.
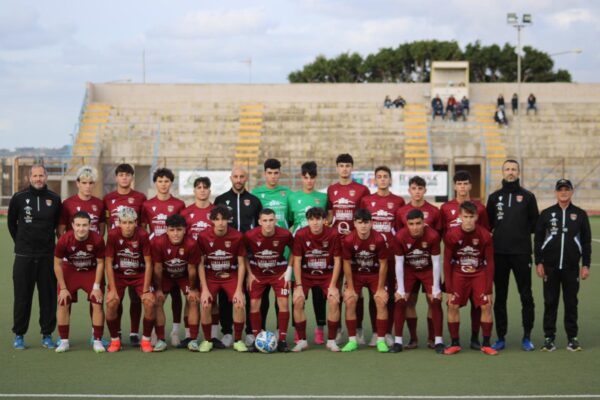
(218,262)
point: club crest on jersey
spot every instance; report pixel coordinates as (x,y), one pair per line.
(390,205)
(247,202)
(460,242)
(48,202)
(258,243)
(170,208)
(78,208)
(453,212)
(134,245)
(113,201)
(120,241)
(335,192)
(262,196)
(192,215)
(307,244)
(500,198)
(573,217)
(89,247)
(227,202)
(475,242)
(352,193)
(325,244)
(211,244)
(355,247)
(409,245)
(372,247)
(228,243)
(519,198)
(73,248)
(275,243)
(424,245)
(94,208)
(168,251)
(153,208)
(373,204)
(181,251)
(27,201)
(130,200)
(282,193)
(425,214)
(317,201)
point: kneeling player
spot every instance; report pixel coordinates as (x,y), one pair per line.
(128,264)
(267,266)
(317,264)
(173,254)
(469,273)
(79,264)
(222,266)
(365,253)
(417,261)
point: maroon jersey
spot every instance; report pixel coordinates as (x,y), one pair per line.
(114,201)
(450,215)
(128,253)
(317,251)
(221,252)
(364,255)
(80,255)
(94,207)
(155,213)
(344,200)
(266,254)
(175,257)
(197,219)
(468,253)
(417,252)
(431,215)
(383,211)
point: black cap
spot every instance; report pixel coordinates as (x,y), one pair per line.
(563,183)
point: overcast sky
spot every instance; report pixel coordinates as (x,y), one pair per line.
(49,49)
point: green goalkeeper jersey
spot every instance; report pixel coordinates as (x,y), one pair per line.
(299,202)
(277,200)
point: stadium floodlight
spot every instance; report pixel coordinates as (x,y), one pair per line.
(527,19)
(511,18)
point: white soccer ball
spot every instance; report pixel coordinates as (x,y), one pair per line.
(266,342)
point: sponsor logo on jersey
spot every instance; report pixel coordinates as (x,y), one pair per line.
(247,202)
(573,217)
(48,202)
(519,198)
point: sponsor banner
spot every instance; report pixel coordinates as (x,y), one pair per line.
(437,181)
(219,180)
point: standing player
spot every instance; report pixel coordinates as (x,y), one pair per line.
(417,189)
(469,274)
(450,213)
(83,201)
(79,264)
(418,262)
(222,267)
(513,213)
(125,196)
(128,264)
(365,254)
(154,215)
(383,206)
(267,266)
(272,195)
(317,263)
(173,254)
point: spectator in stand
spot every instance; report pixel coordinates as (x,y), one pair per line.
(437,107)
(500,117)
(459,112)
(515,104)
(399,102)
(387,103)
(450,104)
(531,104)
(465,106)
(500,101)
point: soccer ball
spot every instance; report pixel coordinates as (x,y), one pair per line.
(266,342)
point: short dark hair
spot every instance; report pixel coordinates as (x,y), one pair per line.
(221,210)
(272,163)
(163,173)
(362,214)
(383,168)
(82,214)
(266,211)
(510,160)
(316,212)
(414,214)
(468,207)
(204,180)
(176,221)
(126,168)
(310,168)
(344,158)
(462,175)
(417,180)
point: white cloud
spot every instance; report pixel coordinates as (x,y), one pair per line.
(564,19)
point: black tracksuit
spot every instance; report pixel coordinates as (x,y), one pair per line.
(562,238)
(245,208)
(33,216)
(513,214)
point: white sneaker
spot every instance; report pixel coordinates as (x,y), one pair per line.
(63,346)
(250,340)
(153,337)
(227,340)
(339,336)
(360,336)
(300,346)
(373,341)
(175,340)
(98,347)
(389,339)
(332,345)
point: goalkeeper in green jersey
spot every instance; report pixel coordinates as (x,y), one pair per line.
(272,195)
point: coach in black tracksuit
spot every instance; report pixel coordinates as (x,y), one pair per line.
(33,216)
(562,238)
(513,214)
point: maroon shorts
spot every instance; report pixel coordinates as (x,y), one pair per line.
(83,280)
(228,285)
(135,281)
(275,281)
(470,286)
(169,283)
(309,281)
(370,281)
(413,278)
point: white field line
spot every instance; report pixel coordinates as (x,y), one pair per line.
(283,396)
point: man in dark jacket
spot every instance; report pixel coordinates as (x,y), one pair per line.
(562,238)
(33,216)
(513,213)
